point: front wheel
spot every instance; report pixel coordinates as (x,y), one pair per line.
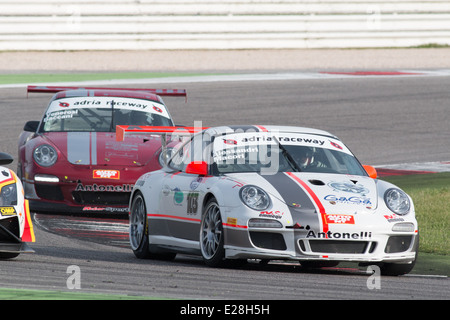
(398,269)
(212,236)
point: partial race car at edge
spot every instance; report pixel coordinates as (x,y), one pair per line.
(16,227)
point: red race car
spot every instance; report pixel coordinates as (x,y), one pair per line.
(70,161)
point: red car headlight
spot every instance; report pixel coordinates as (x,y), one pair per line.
(45,155)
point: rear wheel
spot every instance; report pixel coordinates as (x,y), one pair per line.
(139,232)
(139,228)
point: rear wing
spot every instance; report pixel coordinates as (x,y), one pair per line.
(159,92)
(163,131)
(122,131)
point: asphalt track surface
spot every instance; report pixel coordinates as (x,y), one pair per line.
(382,120)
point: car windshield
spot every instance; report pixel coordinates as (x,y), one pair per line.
(269,152)
(102,114)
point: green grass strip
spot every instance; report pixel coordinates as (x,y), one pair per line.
(25,294)
(75,77)
(431,196)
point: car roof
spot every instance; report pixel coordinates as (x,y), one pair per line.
(270,128)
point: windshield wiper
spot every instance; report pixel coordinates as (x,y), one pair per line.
(288,156)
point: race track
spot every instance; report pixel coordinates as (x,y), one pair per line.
(384,120)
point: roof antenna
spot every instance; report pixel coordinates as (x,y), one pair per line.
(111,127)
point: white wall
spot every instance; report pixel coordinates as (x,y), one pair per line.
(220,24)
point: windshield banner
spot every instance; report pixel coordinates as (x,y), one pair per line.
(62,106)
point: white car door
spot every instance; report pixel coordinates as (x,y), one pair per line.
(181,196)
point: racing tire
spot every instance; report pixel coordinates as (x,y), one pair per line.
(139,232)
(396,269)
(139,228)
(212,236)
(8,255)
(399,269)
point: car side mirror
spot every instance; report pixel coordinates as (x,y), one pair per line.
(371,171)
(31,126)
(197,167)
(5,158)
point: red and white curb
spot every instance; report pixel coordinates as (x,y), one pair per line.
(412,168)
(319,75)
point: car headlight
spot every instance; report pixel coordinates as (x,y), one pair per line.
(45,155)
(8,195)
(254,197)
(397,201)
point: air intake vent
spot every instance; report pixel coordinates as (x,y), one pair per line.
(316,182)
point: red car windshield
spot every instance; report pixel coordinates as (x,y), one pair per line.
(102,114)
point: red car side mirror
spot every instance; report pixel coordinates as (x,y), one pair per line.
(197,167)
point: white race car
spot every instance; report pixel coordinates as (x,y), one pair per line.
(16,227)
(270,193)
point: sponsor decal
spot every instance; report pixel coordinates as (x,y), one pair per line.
(393,218)
(8,211)
(195,183)
(107,102)
(232,222)
(336,145)
(108,188)
(178,197)
(106,174)
(192,203)
(333,199)
(339,235)
(223,155)
(60,115)
(340,218)
(294,139)
(271,214)
(229,141)
(348,187)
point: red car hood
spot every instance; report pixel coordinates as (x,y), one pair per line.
(101,148)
